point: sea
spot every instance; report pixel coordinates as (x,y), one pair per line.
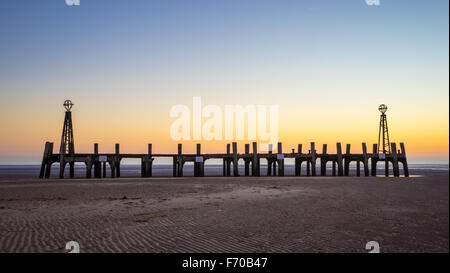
(161,170)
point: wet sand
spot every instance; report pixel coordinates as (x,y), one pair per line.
(286,214)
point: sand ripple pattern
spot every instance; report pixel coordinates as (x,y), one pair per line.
(224,215)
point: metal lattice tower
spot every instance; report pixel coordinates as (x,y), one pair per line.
(384,145)
(67,145)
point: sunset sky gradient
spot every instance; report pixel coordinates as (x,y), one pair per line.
(328,65)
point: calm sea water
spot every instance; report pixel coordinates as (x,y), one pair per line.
(31,171)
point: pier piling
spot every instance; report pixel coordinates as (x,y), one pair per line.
(313,158)
(403,159)
(275,161)
(235,160)
(323,161)
(247,160)
(365,159)
(280,159)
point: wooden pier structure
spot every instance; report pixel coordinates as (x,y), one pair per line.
(97,163)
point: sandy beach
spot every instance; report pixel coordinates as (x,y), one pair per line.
(217,214)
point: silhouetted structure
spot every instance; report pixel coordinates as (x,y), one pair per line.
(340,161)
(383,133)
(67,147)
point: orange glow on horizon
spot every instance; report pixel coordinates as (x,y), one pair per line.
(133,134)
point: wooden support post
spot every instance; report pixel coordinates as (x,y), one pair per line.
(313,159)
(298,161)
(44,160)
(112,166)
(97,163)
(48,170)
(254,155)
(89,167)
(280,161)
(228,160)
(48,167)
(255,161)
(72,168)
(358,167)
(270,162)
(274,166)
(339,159)
(199,147)
(258,164)
(180,160)
(117,161)
(175,166)
(62,165)
(104,169)
(247,161)
(374,160)
(235,160)
(224,167)
(49,162)
(404,161)
(143,164)
(334,168)
(323,161)
(308,171)
(386,167)
(347,161)
(365,159)
(196,164)
(149,163)
(395,159)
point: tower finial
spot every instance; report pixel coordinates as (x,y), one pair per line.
(68,105)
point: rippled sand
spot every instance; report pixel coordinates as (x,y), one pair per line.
(226,214)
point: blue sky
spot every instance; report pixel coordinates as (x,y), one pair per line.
(42,37)
(344,56)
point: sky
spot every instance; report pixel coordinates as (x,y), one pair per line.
(327,64)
